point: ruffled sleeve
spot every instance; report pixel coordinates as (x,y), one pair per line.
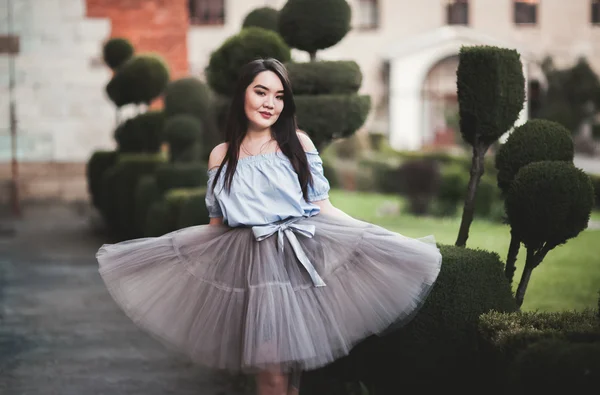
(319,190)
(212,204)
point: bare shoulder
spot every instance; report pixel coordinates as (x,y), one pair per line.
(306,142)
(217,155)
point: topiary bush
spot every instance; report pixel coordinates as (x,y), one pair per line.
(139,81)
(182,132)
(168,215)
(263,17)
(188,96)
(116,52)
(596,183)
(193,209)
(97,165)
(312,25)
(181,175)
(146,193)
(548,203)
(536,140)
(119,186)
(141,134)
(248,45)
(318,78)
(491,94)
(439,349)
(326,117)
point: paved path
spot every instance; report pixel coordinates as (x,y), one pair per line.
(61,333)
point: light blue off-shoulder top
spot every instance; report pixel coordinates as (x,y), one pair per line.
(265,189)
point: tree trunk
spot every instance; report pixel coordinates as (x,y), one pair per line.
(511,259)
(529,265)
(313,56)
(469,207)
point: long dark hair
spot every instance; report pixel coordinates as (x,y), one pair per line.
(284,129)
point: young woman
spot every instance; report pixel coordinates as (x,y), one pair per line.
(280,281)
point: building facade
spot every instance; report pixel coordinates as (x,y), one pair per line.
(407,51)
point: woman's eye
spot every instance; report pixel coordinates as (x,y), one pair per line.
(280,97)
(259,93)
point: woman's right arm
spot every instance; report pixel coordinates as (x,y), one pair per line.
(215,159)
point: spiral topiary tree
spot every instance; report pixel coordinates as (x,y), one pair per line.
(182,132)
(548,203)
(491,93)
(313,25)
(190,96)
(264,17)
(116,52)
(250,44)
(536,140)
(139,81)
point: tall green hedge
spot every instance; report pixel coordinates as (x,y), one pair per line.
(118,188)
(98,164)
(141,134)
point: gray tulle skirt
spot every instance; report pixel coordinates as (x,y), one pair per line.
(294,295)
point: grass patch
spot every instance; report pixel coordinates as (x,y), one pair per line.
(567,279)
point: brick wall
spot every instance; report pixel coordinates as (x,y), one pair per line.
(159,26)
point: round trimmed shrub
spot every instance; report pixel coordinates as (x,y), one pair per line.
(536,140)
(326,117)
(312,25)
(97,165)
(248,45)
(143,133)
(596,183)
(140,80)
(549,202)
(182,132)
(187,96)
(318,78)
(491,92)
(181,175)
(439,348)
(116,52)
(264,17)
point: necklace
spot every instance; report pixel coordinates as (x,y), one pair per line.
(263,147)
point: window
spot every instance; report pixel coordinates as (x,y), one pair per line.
(457,12)
(526,12)
(368,13)
(207,12)
(595,12)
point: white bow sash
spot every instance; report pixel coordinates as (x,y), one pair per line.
(289,228)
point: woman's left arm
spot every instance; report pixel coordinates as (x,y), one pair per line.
(325,205)
(329,209)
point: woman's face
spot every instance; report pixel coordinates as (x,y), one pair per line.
(264,100)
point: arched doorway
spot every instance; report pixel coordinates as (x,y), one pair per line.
(440,105)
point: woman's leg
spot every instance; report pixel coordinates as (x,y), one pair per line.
(271,383)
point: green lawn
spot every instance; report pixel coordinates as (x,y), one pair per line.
(568,278)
